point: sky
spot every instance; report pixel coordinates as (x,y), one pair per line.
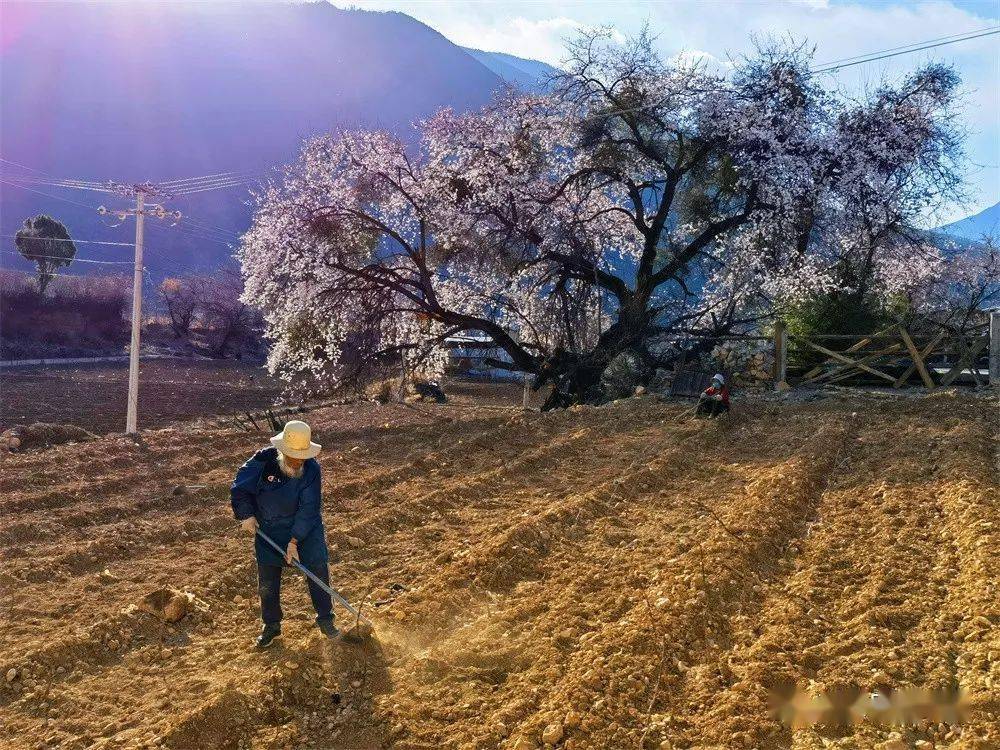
(724,29)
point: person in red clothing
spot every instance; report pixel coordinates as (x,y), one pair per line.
(714,400)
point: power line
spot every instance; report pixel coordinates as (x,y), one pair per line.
(875,56)
(73,260)
(870,57)
(22,166)
(213,227)
(54,275)
(3,181)
(204,178)
(201,223)
(220,186)
(210,230)
(195,228)
(77,242)
(180,186)
(906,46)
(192,234)
(63,183)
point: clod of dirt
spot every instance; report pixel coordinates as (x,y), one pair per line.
(552,734)
(11,674)
(179,489)
(895,742)
(43,435)
(169,605)
(524,743)
(362,631)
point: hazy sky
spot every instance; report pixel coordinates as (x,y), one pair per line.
(723,28)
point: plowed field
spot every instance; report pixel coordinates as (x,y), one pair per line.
(616,577)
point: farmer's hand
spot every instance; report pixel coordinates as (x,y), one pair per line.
(249,525)
(717,397)
(292,552)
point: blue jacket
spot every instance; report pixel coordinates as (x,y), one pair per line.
(285,507)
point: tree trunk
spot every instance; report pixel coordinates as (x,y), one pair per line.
(44,279)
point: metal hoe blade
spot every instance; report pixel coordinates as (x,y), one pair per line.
(315,579)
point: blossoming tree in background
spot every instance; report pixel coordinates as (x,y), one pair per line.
(638,201)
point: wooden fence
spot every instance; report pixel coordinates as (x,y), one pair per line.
(894,355)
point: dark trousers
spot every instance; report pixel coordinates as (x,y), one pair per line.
(269,588)
(711,408)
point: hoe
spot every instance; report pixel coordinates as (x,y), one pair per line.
(362,625)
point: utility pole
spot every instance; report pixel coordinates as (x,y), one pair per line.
(139,192)
(133,352)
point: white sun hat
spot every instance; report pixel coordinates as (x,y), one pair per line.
(718,376)
(295,440)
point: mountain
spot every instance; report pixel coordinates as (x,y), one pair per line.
(984,224)
(162,91)
(529,75)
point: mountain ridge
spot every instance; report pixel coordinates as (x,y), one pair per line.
(986,223)
(532,75)
(202,90)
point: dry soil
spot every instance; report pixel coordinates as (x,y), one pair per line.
(615,577)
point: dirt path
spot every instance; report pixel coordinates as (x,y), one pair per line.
(594,578)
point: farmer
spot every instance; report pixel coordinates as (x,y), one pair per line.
(278,491)
(714,400)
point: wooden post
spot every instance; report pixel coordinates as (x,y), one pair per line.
(526,396)
(994,347)
(780,353)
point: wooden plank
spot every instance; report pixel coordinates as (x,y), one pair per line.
(853,348)
(847,371)
(847,360)
(924,353)
(841,371)
(917,359)
(819,368)
(969,357)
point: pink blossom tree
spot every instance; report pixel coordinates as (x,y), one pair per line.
(641,200)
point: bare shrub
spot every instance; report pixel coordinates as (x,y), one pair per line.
(181,300)
(229,323)
(207,312)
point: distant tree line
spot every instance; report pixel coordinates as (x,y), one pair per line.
(77,316)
